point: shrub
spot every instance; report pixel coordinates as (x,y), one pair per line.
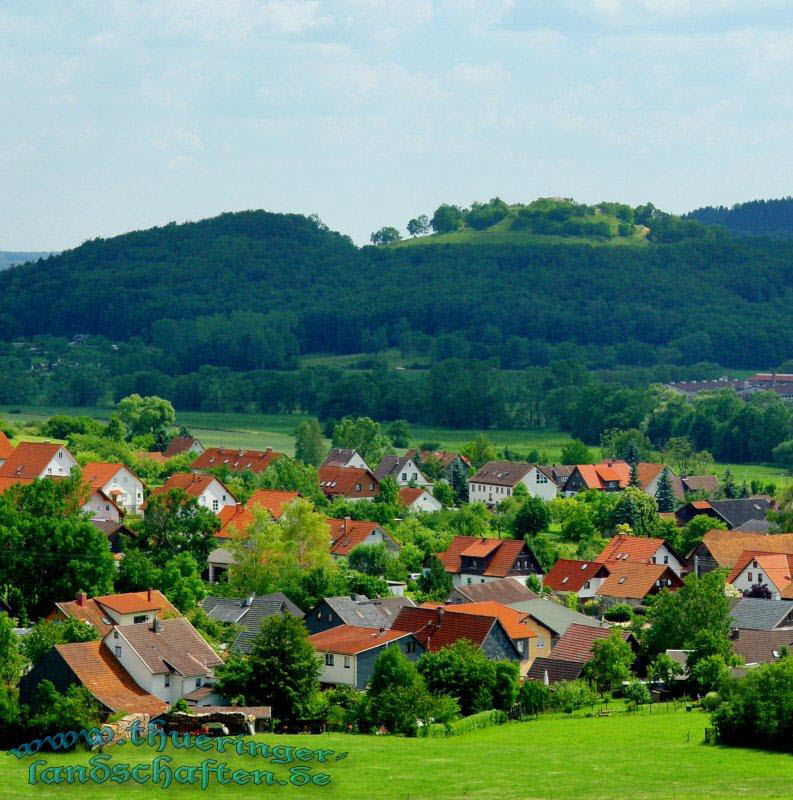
(711,701)
(636,694)
(484,719)
(571,695)
(534,698)
(621,612)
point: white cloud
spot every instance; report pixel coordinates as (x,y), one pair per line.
(479,77)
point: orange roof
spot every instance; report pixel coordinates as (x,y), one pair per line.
(351,640)
(343,480)
(778,567)
(152,456)
(569,575)
(235,460)
(595,476)
(240,518)
(500,563)
(7,483)
(701,504)
(189,482)
(346,534)
(99,473)
(636,549)
(103,676)
(91,610)
(481,548)
(514,622)
(6,448)
(636,581)
(29,460)
(409,494)
(726,547)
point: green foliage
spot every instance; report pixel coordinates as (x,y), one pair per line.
(435,583)
(386,235)
(11,661)
(783,454)
(473,722)
(576,452)
(418,226)
(534,698)
(665,496)
(621,612)
(282,670)
(532,517)
(309,445)
(446,218)
(53,711)
(143,415)
(364,435)
(290,475)
(664,669)
(62,426)
(628,445)
(45,634)
(443,493)
(636,694)
(636,509)
(479,450)
(611,661)
(569,696)
(399,433)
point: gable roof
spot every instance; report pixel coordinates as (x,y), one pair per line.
(91,609)
(575,644)
(435,629)
(342,480)
(737,512)
(349,640)
(103,676)
(235,460)
(240,518)
(98,474)
(6,448)
(554,669)
(180,444)
(341,457)
(778,568)
(570,575)
(758,647)
(346,534)
(514,621)
(391,465)
(175,646)
(554,616)
(727,546)
(758,614)
(361,612)
(597,476)
(409,494)
(701,483)
(444,457)
(501,590)
(636,581)
(502,554)
(501,473)
(29,459)
(193,483)
(7,483)
(635,549)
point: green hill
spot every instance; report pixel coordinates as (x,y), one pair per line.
(756,218)
(10,258)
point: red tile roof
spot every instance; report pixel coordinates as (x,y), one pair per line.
(90,610)
(515,622)
(595,476)
(501,562)
(6,448)
(481,548)
(104,677)
(435,628)
(445,457)
(501,473)
(99,473)
(778,568)
(350,640)
(575,644)
(189,482)
(29,460)
(726,546)
(7,483)
(636,581)
(346,534)
(409,494)
(569,575)
(180,444)
(635,549)
(240,518)
(343,481)
(236,460)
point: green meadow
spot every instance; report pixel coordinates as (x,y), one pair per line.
(638,757)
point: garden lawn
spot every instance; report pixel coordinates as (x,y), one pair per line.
(658,755)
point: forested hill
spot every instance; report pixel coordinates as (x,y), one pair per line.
(9,258)
(755,218)
(249,289)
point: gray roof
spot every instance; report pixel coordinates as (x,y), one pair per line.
(361,612)
(754,526)
(249,613)
(339,457)
(554,669)
(762,615)
(501,473)
(501,590)
(739,511)
(557,618)
(391,465)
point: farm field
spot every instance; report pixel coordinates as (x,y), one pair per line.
(638,757)
(259,431)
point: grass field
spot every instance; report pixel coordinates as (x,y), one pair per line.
(638,757)
(259,431)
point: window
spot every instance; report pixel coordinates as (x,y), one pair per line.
(124,479)
(653,559)
(410,646)
(759,577)
(404,476)
(666,559)
(357,487)
(587,584)
(107,507)
(371,487)
(319,615)
(749,576)
(115,634)
(519,645)
(540,642)
(167,681)
(224,498)
(197,682)
(60,453)
(328,659)
(140,618)
(415,476)
(541,478)
(754,564)
(117,651)
(214,505)
(347,662)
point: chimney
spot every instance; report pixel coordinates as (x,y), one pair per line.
(248,601)
(82,598)
(734,634)
(155,626)
(150,594)
(440,614)
(382,631)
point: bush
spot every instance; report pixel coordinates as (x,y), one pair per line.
(571,695)
(711,701)
(619,613)
(534,698)
(484,719)
(636,694)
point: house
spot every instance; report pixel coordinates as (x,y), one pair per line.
(207,489)
(704,484)
(721,549)
(92,666)
(403,469)
(550,621)
(500,590)
(235,460)
(608,476)
(117,482)
(102,507)
(6,448)
(351,483)
(756,568)
(446,461)
(516,624)
(649,475)
(632,583)
(435,628)
(758,614)
(641,550)
(239,518)
(347,534)
(180,445)
(581,578)
(105,611)
(761,647)
(167,658)
(355,611)
(418,500)
(497,480)
(344,457)
(571,654)
(114,531)
(348,653)
(248,614)
(33,460)
(734,513)
(472,560)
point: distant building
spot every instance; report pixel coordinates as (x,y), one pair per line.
(31,460)
(235,460)
(497,480)
(183,444)
(470,559)
(351,483)
(345,457)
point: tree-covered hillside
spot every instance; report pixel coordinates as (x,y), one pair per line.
(755,218)
(9,258)
(294,286)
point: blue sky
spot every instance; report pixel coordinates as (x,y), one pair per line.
(122,114)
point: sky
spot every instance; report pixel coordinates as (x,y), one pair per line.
(118,115)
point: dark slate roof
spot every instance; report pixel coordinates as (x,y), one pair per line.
(739,511)
(361,612)
(759,647)
(762,615)
(754,526)
(248,613)
(556,669)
